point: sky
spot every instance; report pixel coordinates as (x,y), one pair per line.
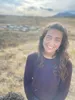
(35,7)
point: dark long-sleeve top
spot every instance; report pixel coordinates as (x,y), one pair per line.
(42,83)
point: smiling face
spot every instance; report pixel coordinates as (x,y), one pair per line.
(52,42)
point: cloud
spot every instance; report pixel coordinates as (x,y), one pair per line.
(33,7)
(60,5)
(14,2)
(9,6)
(71,6)
(5,9)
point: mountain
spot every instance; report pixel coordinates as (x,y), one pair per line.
(65,14)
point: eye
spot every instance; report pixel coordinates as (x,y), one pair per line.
(48,38)
(58,40)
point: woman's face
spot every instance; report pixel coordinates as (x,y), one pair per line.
(52,41)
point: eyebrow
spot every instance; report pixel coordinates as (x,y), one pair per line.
(55,37)
(49,35)
(58,38)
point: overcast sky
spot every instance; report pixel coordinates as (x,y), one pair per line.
(35,7)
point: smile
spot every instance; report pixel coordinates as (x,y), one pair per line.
(50,47)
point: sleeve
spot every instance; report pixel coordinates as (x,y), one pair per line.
(64,85)
(28,73)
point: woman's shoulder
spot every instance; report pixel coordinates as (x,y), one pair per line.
(33,55)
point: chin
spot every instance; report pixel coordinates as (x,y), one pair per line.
(50,52)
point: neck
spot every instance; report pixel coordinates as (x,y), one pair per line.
(49,56)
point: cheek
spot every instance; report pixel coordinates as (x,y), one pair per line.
(57,45)
(44,44)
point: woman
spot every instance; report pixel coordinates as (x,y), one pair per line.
(48,72)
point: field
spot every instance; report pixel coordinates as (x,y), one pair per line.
(16,45)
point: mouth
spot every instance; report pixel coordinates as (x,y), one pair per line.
(49,47)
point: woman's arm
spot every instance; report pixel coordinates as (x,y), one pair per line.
(64,85)
(28,73)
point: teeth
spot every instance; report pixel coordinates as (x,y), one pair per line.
(50,47)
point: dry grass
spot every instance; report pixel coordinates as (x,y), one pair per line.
(12,62)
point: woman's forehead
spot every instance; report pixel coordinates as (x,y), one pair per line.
(54,32)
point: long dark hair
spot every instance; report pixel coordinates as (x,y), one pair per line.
(62,50)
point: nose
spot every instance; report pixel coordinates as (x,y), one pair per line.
(51,42)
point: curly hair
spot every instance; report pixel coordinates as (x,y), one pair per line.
(62,50)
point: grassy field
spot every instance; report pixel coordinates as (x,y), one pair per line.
(15,46)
